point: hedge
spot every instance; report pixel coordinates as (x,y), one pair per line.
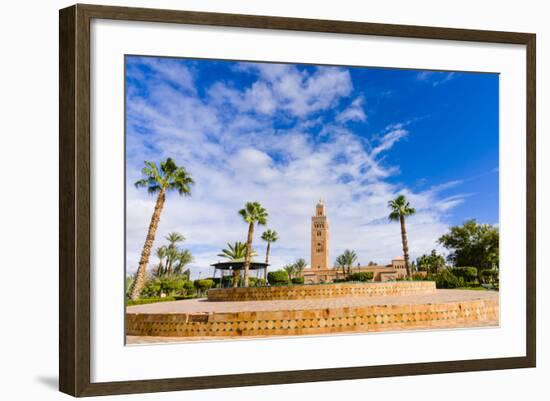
(362,276)
(143,301)
(278,277)
(446,279)
(203,285)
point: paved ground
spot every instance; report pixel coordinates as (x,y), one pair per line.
(202,305)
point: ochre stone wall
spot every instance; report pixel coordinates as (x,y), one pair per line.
(321,291)
(319,321)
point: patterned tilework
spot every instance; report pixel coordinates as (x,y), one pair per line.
(321,291)
(315,321)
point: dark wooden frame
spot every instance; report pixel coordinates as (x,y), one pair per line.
(74,200)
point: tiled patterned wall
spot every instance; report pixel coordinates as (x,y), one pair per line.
(321,291)
(321,321)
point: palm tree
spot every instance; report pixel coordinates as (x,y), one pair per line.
(235,253)
(183,259)
(350,257)
(299,267)
(346,261)
(252,213)
(401,208)
(290,269)
(158,180)
(173,238)
(269,236)
(161,254)
(341,263)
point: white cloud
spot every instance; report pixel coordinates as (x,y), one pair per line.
(395,133)
(235,157)
(286,89)
(168,71)
(435,78)
(354,112)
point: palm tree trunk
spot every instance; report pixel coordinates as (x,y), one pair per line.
(161,268)
(267,252)
(148,246)
(169,260)
(405,245)
(248,253)
(236,276)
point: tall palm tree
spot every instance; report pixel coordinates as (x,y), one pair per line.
(236,253)
(253,213)
(401,208)
(172,252)
(158,180)
(269,236)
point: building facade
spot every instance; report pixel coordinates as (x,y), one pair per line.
(320,269)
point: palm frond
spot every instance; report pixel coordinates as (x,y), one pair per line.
(400,207)
(270,236)
(168,176)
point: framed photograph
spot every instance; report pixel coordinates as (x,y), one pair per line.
(250,200)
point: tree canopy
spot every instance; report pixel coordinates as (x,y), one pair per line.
(346,260)
(253,212)
(235,252)
(270,236)
(473,244)
(431,263)
(400,206)
(168,176)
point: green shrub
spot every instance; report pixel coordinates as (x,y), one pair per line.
(489,276)
(203,285)
(226,282)
(278,277)
(182,297)
(361,276)
(256,282)
(128,285)
(297,280)
(143,301)
(446,279)
(151,288)
(468,274)
(189,288)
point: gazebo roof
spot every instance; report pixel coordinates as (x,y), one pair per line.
(236,265)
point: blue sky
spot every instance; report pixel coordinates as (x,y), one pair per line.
(287,135)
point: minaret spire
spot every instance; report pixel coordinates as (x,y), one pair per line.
(319,238)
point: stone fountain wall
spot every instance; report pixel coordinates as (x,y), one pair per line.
(313,291)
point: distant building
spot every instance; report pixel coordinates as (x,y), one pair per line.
(320,270)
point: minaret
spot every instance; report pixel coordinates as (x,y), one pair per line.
(319,238)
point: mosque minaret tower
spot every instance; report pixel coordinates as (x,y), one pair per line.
(319,238)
